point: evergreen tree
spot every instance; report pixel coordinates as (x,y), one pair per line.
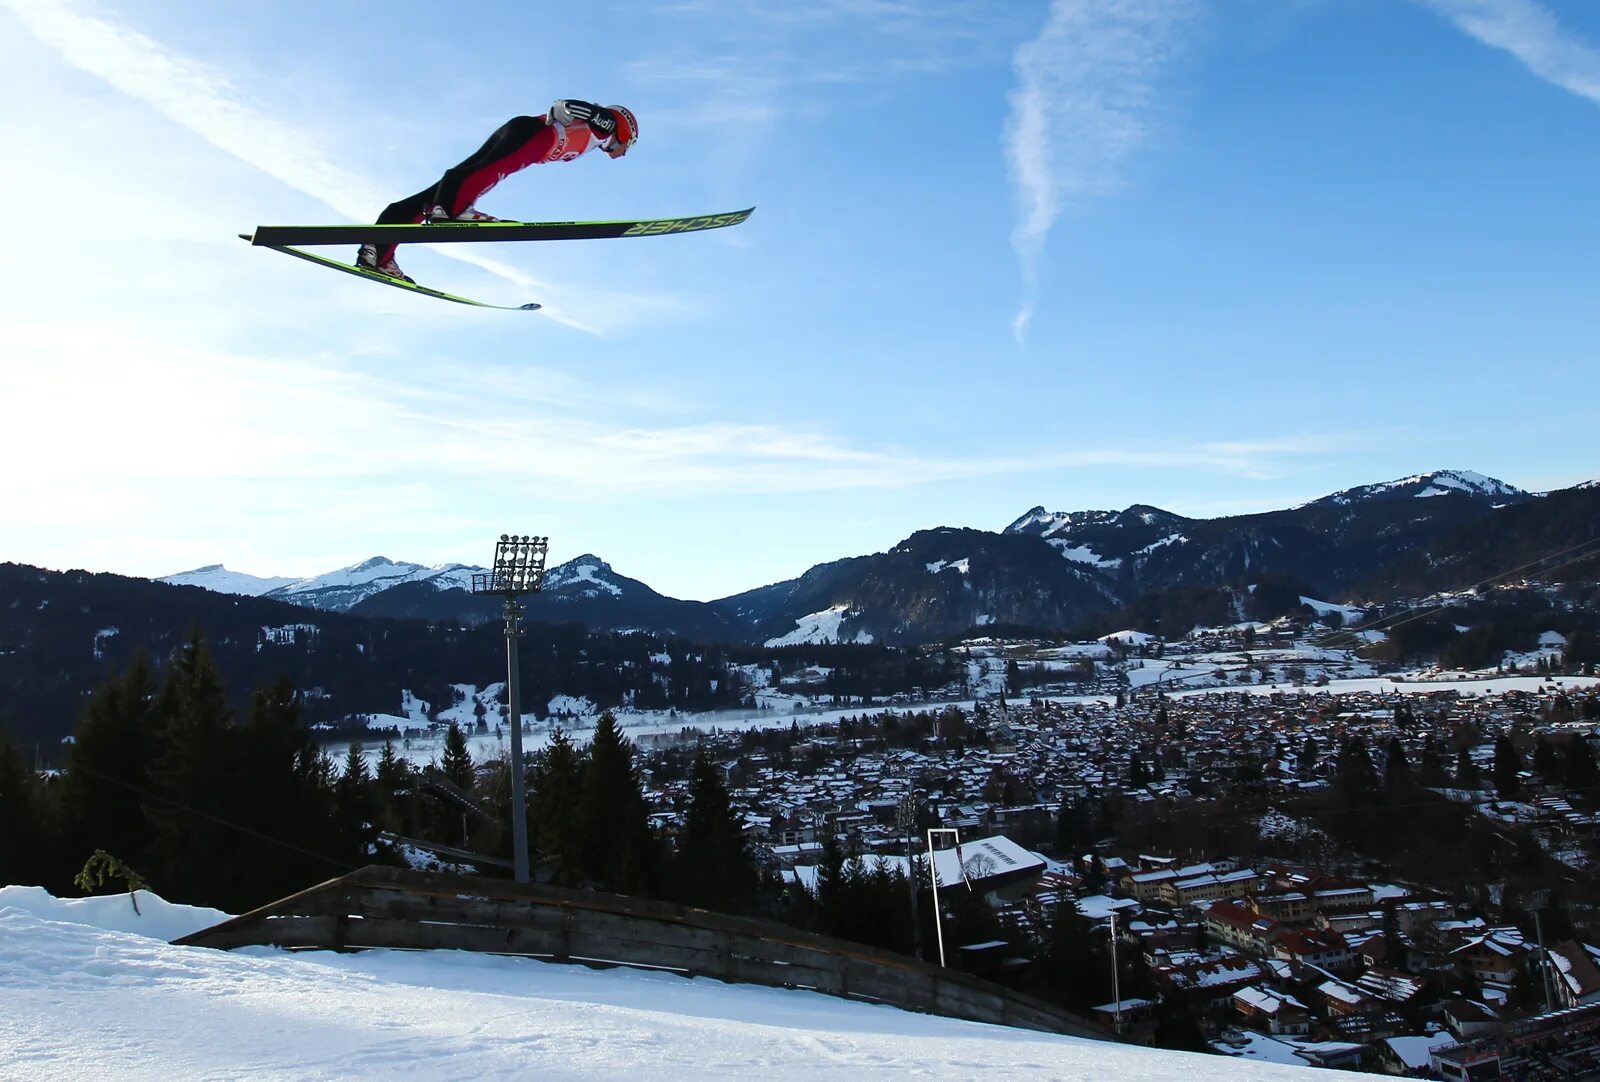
(553,795)
(615,845)
(191,780)
(1307,764)
(1138,773)
(1066,971)
(1580,772)
(107,778)
(712,867)
(1546,760)
(1354,773)
(832,898)
(1396,768)
(1069,833)
(456,762)
(354,809)
(278,802)
(1507,765)
(391,783)
(1466,768)
(20,836)
(1432,767)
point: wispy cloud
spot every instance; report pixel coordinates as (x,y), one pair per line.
(1084,91)
(278,421)
(205,102)
(1530,32)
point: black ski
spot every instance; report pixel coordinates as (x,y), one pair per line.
(280,236)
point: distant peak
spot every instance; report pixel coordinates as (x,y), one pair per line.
(1432,483)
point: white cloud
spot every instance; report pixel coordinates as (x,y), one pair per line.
(1085,86)
(1530,32)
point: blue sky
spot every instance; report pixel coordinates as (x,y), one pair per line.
(1218,256)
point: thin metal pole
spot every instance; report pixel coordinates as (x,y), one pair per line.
(908,827)
(1544,961)
(933,877)
(1116,985)
(519,793)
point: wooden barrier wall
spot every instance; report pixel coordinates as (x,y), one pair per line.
(411,910)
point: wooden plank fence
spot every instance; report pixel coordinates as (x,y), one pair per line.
(411,910)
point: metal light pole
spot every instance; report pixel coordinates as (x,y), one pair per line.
(518,569)
(909,805)
(933,877)
(1116,984)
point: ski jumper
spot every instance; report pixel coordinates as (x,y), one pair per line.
(520,142)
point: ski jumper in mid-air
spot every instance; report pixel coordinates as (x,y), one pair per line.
(571,129)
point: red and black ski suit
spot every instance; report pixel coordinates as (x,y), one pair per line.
(520,142)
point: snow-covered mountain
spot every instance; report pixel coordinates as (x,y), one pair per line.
(342,590)
(584,590)
(1422,485)
(219,579)
(933,584)
(941,581)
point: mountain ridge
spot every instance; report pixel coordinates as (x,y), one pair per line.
(1052,570)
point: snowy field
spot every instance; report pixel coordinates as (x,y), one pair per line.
(645,726)
(1464,684)
(84,1002)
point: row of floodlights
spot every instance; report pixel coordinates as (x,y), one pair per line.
(518,565)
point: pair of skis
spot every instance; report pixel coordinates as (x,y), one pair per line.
(283,238)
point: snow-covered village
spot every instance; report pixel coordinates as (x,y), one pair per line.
(853,539)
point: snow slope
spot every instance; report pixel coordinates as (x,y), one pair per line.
(81,1002)
(219,579)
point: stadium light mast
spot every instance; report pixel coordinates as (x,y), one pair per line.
(907,816)
(518,569)
(933,878)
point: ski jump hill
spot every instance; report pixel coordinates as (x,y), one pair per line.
(381,907)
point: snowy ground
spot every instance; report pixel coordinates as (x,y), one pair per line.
(1463,683)
(644,726)
(86,1003)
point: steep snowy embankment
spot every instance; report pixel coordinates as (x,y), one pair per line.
(81,1002)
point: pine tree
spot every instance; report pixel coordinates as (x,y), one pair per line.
(832,891)
(1354,773)
(553,795)
(190,778)
(107,778)
(1507,765)
(1396,768)
(456,763)
(1138,774)
(1546,760)
(21,835)
(275,799)
(1432,767)
(1066,972)
(713,868)
(1466,768)
(391,784)
(354,810)
(615,845)
(1307,763)
(1580,772)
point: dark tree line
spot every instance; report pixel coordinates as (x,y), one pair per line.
(209,805)
(64,633)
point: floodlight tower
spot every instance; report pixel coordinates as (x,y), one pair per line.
(518,569)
